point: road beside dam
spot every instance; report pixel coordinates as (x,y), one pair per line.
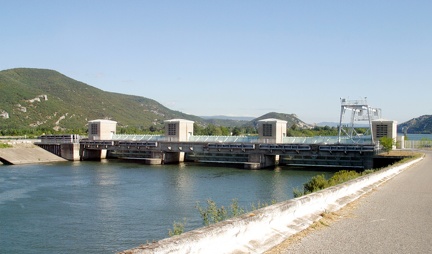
(395,218)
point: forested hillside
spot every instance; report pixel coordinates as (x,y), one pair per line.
(46,99)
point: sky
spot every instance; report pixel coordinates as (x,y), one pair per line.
(235,57)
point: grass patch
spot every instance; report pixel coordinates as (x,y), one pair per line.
(4,145)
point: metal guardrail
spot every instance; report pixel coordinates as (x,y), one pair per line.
(60,139)
(418,144)
(135,137)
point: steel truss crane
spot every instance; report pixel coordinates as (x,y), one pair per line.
(360,111)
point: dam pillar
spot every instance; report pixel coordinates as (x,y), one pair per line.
(93,155)
(258,160)
(270,131)
(173,157)
(70,152)
(177,130)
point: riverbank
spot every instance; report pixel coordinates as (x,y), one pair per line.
(25,152)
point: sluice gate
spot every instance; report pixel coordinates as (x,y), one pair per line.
(351,156)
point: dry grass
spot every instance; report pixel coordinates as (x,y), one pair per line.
(401,153)
(326,221)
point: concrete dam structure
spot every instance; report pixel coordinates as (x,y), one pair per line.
(269,148)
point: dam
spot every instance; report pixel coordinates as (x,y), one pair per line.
(269,148)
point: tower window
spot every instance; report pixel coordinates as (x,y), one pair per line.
(267,130)
(381,130)
(94,129)
(172,129)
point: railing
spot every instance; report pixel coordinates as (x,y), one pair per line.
(139,137)
(418,144)
(229,139)
(60,139)
(326,140)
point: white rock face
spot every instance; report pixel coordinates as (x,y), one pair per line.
(4,114)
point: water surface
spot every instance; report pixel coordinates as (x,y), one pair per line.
(109,206)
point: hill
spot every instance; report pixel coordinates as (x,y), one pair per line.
(419,125)
(292,119)
(40,98)
(47,100)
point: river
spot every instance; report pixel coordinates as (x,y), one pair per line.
(109,206)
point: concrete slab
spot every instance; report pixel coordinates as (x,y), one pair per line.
(27,153)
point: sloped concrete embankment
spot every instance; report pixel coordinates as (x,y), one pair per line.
(26,153)
(265,228)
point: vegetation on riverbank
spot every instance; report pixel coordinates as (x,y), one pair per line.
(212,213)
(319,182)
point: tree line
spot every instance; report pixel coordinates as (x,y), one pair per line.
(199,130)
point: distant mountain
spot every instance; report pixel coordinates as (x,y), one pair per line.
(31,98)
(290,118)
(419,125)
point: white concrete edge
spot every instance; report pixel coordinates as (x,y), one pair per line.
(265,228)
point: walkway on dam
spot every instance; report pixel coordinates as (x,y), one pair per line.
(396,218)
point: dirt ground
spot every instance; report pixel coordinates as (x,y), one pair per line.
(401,153)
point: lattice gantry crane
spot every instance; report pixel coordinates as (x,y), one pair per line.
(360,112)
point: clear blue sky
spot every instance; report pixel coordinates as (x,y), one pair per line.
(239,58)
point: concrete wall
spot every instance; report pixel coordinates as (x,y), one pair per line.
(265,228)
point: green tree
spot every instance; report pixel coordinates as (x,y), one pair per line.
(236,131)
(387,143)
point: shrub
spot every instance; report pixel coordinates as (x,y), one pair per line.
(212,213)
(178,228)
(317,183)
(342,176)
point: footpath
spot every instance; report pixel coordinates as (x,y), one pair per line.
(26,153)
(395,218)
